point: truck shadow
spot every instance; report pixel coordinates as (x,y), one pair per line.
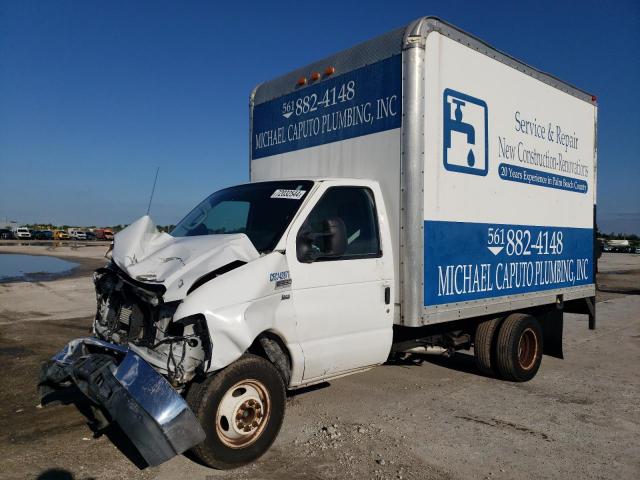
(58,474)
(310,388)
(72,396)
(122,443)
(459,361)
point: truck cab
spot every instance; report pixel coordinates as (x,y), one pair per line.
(311,249)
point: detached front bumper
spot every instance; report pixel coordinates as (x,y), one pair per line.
(130,392)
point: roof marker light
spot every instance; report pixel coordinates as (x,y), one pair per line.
(329,71)
(594,98)
(315,76)
(302,81)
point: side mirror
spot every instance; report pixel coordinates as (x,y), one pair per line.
(331,242)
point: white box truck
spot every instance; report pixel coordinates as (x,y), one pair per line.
(418,190)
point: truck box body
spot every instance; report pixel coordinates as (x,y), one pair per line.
(487,165)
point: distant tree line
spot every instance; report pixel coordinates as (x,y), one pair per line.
(634,240)
(617,236)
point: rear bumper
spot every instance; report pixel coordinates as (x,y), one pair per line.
(130,392)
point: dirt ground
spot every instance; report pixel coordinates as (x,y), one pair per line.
(429,417)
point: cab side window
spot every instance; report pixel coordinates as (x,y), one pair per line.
(353,207)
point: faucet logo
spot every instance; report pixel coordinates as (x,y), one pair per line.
(465,129)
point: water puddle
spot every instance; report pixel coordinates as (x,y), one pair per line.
(29,268)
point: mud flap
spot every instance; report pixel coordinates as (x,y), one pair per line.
(145,406)
(552,324)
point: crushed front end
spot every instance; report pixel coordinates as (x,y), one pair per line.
(136,365)
(133,313)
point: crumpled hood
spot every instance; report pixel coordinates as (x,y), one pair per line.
(176,262)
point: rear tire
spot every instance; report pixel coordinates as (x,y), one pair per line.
(519,348)
(241,409)
(484,346)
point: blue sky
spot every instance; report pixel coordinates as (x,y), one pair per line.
(95,95)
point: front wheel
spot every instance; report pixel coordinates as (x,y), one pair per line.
(241,409)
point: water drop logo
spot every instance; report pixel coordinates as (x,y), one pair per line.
(465,130)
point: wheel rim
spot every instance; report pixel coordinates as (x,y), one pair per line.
(528,349)
(243,413)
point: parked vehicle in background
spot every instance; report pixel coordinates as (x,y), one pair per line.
(42,234)
(620,245)
(77,234)
(22,233)
(103,234)
(90,235)
(60,235)
(6,234)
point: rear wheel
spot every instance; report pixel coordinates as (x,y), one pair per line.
(241,410)
(519,348)
(484,346)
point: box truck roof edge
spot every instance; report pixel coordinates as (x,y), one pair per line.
(394,42)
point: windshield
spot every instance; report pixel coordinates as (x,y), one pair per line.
(262,211)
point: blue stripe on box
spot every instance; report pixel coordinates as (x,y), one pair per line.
(471,261)
(360,102)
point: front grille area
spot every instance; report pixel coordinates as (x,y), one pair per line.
(123,315)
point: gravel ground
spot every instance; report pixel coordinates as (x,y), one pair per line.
(428,417)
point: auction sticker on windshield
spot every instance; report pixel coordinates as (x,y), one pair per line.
(290,194)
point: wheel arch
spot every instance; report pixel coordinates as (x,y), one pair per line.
(271,346)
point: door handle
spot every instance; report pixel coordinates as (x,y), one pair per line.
(387,295)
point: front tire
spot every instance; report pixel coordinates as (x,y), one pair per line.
(241,409)
(519,347)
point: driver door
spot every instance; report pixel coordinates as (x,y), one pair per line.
(344,316)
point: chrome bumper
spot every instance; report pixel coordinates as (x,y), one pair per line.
(130,392)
